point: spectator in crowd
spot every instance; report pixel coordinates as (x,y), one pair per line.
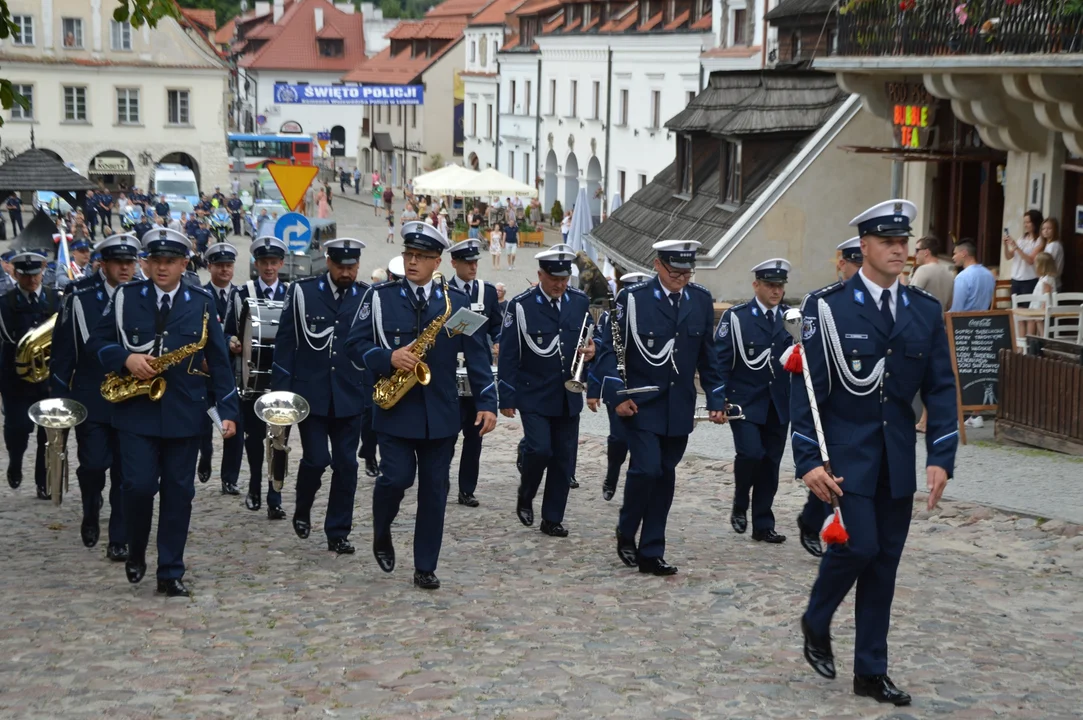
(496,246)
(377,196)
(501,297)
(408,214)
(566,225)
(929,274)
(1047,285)
(475,223)
(357,181)
(511,243)
(974,283)
(1022,253)
(441,222)
(379,275)
(1053,246)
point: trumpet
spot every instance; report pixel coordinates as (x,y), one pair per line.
(279,411)
(576,384)
(733,412)
(57,416)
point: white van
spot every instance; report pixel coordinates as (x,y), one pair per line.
(174,179)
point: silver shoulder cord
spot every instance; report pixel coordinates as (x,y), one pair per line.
(554,347)
(118,298)
(664,354)
(851,382)
(378,321)
(299,322)
(760,361)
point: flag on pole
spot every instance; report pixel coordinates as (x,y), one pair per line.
(63,254)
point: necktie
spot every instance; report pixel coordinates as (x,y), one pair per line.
(269,293)
(675,298)
(421,297)
(163,311)
(469,290)
(556,304)
(222,293)
(32,299)
(885,309)
(771,317)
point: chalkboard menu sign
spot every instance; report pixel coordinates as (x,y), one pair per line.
(976,339)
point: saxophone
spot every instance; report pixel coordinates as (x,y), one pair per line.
(117,388)
(388,391)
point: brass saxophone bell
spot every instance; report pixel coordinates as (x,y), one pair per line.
(423,373)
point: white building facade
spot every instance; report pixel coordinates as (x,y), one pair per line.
(112,99)
(480,95)
(742,39)
(519,120)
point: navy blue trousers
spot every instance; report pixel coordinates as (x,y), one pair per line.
(755,469)
(17,429)
(97,453)
(549,450)
(616,446)
(470,452)
(329,442)
(368,435)
(878,527)
(158,466)
(815,512)
(648,487)
(232,452)
(401,459)
(254,433)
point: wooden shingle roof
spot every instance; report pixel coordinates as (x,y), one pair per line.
(791,8)
(38,170)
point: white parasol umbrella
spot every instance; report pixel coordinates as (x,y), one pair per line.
(615,203)
(582,224)
(445,181)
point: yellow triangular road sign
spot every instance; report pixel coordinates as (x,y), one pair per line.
(293,181)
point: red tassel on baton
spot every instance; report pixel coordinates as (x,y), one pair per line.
(834,530)
(791,359)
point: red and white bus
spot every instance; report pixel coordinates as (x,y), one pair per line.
(263,150)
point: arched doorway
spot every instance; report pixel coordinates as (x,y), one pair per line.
(473,160)
(338,141)
(182,158)
(550,182)
(113,169)
(54,155)
(571,181)
(594,185)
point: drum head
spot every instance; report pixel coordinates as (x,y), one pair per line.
(259,326)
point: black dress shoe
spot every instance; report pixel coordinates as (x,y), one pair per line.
(818,652)
(426,580)
(739,521)
(302,526)
(384,550)
(468,500)
(204,475)
(43,494)
(810,539)
(371,468)
(341,546)
(553,529)
(573,483)
(173,588)
(656,566)
(135,569)
(525,511)
(252,502)
(768,536)
(608,490)
(229,488)
(89,530)
(275,513)
(880,688)
(626,550)
(117,552)
(15,477)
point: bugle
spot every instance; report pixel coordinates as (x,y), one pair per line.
(733,412)
(575,384)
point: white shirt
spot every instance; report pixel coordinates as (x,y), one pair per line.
(219,290)
(1056,249)
(875,291)
(109,289)
(334,288)
(462,284)
(264,287)
(1021,269)
(549,299)
(414,286)
(768,313)
(160,293)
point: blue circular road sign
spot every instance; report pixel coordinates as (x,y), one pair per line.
(294,230)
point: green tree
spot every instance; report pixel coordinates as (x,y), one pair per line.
(392,9)
(137,12)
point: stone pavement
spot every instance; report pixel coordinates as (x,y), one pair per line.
(988,619)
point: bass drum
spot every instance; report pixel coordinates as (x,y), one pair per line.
(259,325)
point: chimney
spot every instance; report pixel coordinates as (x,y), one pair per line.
(319,18)
(279,9)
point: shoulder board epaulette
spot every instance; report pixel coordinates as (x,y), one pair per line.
(637,286)
(576,291)
(131,284)
(921,292)
(827,290)
(486,283)
(453,289)
(385,284)
(202,291)
(523,294)
(83,290)
(699,287)
(312,278)
(738,306)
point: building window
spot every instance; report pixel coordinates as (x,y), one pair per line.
(684,164)
(642,181)
(473,51)
(489,112)
(511,98)
(573,107)
(75,104)
(730,167)
(496,48)
(24,29)
(740,27)
(398,117)
(331,47)
(128,106)
(483,48)
(17,111)
(413,117)
(703,7)
(552,97)
(586,14)
(795,46)
(473,119)
(529,97)
(178,107)
(689,97)
(73,33)
(526,170)
(379,113)
(596,100)
(622,120)
(121,35)
(656,109)
(511,163)
(620,184)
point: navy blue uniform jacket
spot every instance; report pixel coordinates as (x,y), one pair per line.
(76,373)
(754,390)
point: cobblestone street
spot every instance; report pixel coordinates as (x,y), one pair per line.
(988,616)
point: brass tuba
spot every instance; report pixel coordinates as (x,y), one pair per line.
(388,391)
(118,388)
(279,411)
(34,351)
(57,416)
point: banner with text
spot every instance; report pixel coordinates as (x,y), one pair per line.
(287,94)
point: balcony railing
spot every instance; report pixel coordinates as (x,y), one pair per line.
(955,27)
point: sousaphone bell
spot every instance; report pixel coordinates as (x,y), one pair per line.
(56,415)
(280,411)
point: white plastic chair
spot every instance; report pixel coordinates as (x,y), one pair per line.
(1069,328)
(1024,301)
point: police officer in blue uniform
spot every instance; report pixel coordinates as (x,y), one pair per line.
(90,212)
(751,339)
(7,282)
(269,253)
(310,360)
(234,205)
(538,344)
(221,259)
(105,209)
(202,236)
(77,374)
(417,434)
(616,445)
(21,310)
(812,516)
(482,295)
(667,326)
(159,441)
(871,345)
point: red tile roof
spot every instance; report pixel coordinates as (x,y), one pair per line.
(427,29)
(292,40)
(224,34)
(206,18)
(496,11)
(651,22)
(679,20)
(704,23)
(734,52)
(533,7)
(457,8)
(401,69)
